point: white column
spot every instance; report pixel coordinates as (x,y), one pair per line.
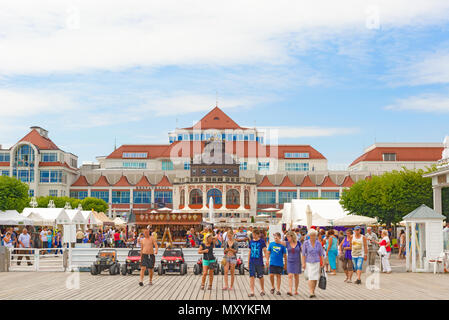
(242,196)
(277,197)
(224,196)
(407,247)
(131,198)
(437,203)
(152,197)
(110,203)
(413,255)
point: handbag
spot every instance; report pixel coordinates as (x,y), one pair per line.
(382,251)
(323,280)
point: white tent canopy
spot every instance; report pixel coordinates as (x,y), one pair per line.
(317,220)
(75,215)
(353,220)
(13,218)
(89,217)
(327,209)
(119,221)
(47,216)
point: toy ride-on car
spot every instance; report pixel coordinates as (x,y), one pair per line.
(238,266)
(106,260)
(172,261)
(198,267)
(132,263)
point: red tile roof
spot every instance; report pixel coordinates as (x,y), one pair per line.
(327,182)
(287,182)
(81,182)
(164,182)
(307,182)
(265,183)
(122,182)
(102,182)
(348,182)
(143,182)
(402,154)
(39,141)
(215,119)
(242,149)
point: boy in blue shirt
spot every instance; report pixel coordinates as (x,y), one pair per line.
(277,259)
(257,248)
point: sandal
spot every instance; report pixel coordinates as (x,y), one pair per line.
(202,287)
(290,294)
(251,295)
(272,291)
(262,293)
(278,293)
(209,288)
(296,293)
(224,288)
(312,296)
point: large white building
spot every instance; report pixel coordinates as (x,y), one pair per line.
(37,161)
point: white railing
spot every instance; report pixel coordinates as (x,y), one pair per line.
(80,258)
(32,259)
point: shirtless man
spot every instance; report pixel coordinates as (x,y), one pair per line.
(147,256)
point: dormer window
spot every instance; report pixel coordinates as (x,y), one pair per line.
(217,118)
(389,156)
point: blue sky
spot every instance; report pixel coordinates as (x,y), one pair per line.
(336,75)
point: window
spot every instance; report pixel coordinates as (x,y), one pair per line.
(225,171)
(24,155)
(330,195)
(134,165)
(214,171)
(308,194)
(266,197)
(246,198)
(31,192)
(203,171)
(244,166)
(233,197)
(215,194)
(78,194)
(5,173)
(134,154)
(74,163)
(142,196)
(120,196)
(167,165)
(297,155)
(4,157)
(187,165)
(163,197)
(182,198)
(196,197)
(264,166)
(389,156)
(296,166)
(251,137)
(53,193)
(49,157)
(104,195)
(25,175)
(50,176)
(287,196)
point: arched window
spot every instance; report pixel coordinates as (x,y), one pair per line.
(196,197)
(246,198)
(233,197)
(182,198)
(24,155)
(215,194)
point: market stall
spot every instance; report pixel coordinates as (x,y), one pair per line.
(354,220)
(47,216)
(13,218)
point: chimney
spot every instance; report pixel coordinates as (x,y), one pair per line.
(41,131)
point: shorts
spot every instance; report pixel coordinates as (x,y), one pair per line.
(276,270)
(357,263)
(231,260)
(148,261)
(256,270)
(206,263)
(347,264)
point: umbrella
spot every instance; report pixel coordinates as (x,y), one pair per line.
(270,210)
(308,217)
(211,210)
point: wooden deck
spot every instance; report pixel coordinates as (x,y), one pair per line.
(52,285)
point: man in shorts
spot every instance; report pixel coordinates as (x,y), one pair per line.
(147,256)
(257,249)
(277,259)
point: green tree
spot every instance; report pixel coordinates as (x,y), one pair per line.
(98,205)
(389,197)
(13,194)
(42,202)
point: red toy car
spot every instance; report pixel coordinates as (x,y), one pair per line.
(239,266)
(132,263)
(172,261)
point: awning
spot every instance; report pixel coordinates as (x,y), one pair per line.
(13,218)
(353,220)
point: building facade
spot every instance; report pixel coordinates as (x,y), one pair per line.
(38,162)
(216,158)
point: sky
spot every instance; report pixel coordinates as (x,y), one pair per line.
(338,75)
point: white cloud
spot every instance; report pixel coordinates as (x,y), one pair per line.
(435,103)
(45,38)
